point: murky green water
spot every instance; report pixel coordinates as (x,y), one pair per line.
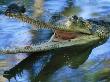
(63,65)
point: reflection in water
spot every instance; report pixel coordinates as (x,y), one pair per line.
(59,60)
(41,66)
(63,65)
(26,64)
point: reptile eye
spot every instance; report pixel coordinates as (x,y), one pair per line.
(74,17)
(87,24)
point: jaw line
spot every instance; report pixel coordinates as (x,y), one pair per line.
(49,25)
(84,41)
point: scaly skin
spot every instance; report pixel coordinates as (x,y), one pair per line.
(67,26)
(90,40)
(89,33)
(71,24)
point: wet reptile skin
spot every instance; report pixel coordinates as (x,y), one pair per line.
(90,32)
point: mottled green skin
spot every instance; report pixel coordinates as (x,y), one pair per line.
(71,24)
(91,33)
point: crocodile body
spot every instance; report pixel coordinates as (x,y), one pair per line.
(88,31)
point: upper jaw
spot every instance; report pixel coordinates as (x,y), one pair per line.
(74,27)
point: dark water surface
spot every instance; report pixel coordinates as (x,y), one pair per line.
(63,65)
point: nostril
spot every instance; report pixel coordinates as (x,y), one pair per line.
(75,17)
(22,9)
(14,8)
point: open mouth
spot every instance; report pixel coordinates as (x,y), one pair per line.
(77,35)
(61,31)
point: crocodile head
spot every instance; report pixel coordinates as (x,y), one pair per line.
(89,33)
(73,24)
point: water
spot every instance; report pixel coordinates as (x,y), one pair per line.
(63,65)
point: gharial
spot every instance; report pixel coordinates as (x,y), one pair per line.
(70,32)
